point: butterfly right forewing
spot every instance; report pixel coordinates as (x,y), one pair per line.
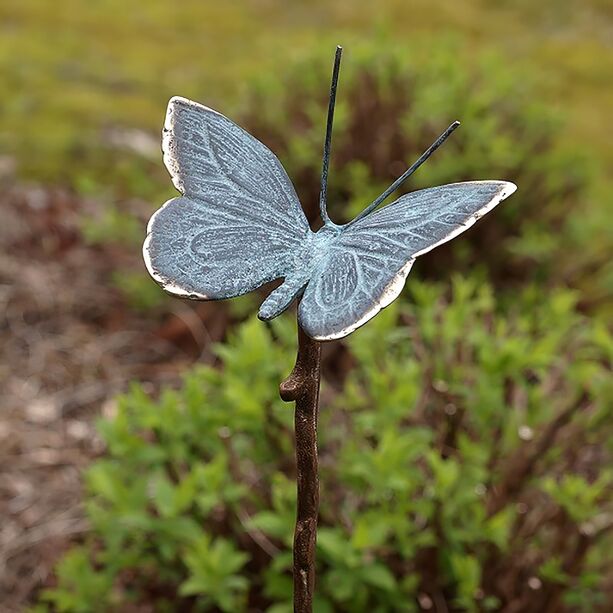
(424,219)
(367,266)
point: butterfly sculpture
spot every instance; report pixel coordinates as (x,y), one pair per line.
(238,224)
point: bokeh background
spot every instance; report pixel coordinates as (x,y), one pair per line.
(145,458)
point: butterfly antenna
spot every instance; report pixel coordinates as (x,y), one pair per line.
(400,180)
(323,194)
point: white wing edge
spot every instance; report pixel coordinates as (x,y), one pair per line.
(390,292)
(167,286)
(167,132)
(173,169)
(507,188)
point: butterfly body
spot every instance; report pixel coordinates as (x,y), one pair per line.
(304,265)
(238,224)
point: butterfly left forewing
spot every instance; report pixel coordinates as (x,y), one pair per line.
(238,222)
(366,268)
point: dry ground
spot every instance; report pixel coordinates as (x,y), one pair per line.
(70,344)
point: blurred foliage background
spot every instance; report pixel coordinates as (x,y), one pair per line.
(466,432)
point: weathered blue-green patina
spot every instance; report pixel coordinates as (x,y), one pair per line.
(239,224)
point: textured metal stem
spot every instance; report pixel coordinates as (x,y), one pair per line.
(302,387)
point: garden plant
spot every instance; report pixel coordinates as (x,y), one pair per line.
(466,429)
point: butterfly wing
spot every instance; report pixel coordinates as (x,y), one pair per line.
(366,268)
(238,221)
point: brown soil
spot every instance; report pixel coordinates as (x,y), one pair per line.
(70,344)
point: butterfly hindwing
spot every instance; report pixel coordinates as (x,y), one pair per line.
(239,219)
(351,286)
(367,266)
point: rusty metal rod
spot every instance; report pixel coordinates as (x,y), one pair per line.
(302,387)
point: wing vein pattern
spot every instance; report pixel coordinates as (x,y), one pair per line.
(367,266)
(238,223)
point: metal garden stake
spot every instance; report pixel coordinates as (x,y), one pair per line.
(238,224)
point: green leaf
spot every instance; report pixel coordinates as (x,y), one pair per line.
(379,576)
(273,524)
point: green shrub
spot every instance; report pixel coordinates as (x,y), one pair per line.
(462,462)
(392,103)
